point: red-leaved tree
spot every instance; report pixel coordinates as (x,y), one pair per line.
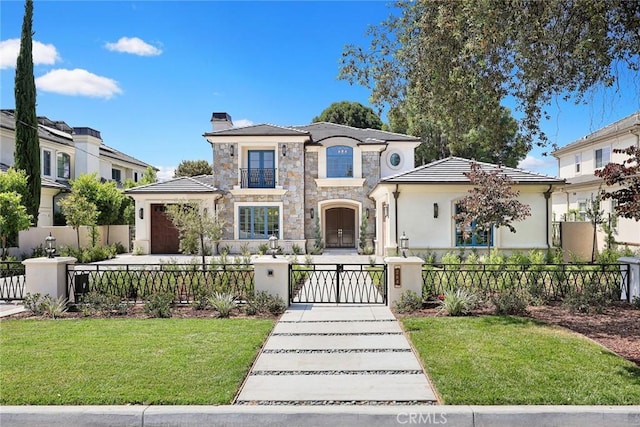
(626,176)
(490,203)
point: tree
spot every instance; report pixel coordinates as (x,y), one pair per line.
(13,213)
(78,211)
(193,168)
(195,225)
(454,62)
(351,114)
(148,177)
(27,151)
(626,177)
(595,215)
(491,203)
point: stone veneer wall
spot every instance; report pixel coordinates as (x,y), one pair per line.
(290,178)
(313,194)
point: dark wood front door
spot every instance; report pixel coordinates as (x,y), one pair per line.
(340,228)
(164,236)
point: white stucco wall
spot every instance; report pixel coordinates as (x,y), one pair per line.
(406,151)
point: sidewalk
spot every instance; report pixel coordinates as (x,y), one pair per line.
(10,308)
(321,354)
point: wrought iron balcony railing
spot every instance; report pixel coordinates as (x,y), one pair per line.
(258,178)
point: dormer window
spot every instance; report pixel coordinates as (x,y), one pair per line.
(340,162)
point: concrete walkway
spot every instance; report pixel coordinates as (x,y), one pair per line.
(325,354)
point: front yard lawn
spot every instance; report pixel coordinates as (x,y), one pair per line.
(127,361)
(493,360)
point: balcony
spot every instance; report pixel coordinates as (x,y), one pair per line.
(258,178)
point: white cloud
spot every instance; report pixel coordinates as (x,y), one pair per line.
(546,165)
(133,45)
(42,53)
(78,82)
(165,173)
(242,123)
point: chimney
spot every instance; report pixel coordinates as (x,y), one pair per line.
(221,121)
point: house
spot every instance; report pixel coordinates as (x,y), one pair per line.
(577,163)
(65,153)
(334,182)
(283,181)
(421,203)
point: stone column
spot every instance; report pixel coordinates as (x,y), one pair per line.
(272,275)
(403,274)
(47,276)
(634,278)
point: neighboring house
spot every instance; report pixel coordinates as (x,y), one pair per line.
(422,202)
(65,153)
(577,163)
(274,180)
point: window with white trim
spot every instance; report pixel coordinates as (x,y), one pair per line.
(578,162)
(64,166)
(603,156)
(340,162)
(46,162)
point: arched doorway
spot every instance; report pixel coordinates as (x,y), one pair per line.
(340,228)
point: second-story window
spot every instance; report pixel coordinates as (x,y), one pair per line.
(116,175)
(64,166)
(261,172)
(578,162)
(340,162)
(603,156)
(46,162)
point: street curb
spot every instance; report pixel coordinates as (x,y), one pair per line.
(319,416)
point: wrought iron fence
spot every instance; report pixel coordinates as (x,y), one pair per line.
(187,282)
(12,280)
(547,282)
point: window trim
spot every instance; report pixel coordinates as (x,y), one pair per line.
(330,163)
(239,205)
(578,163)
(63,156)
(119,173)
(459,242)
(46,165)
(602,151)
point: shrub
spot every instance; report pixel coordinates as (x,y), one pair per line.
(297,250)
(263,302)
(635,302)
(35,303)
(451,258)
(263,248)
(201,295)
(105,304)
(511,302)
(408,303)
(55,307)
(459,302)
(223,303)
(159,305)
(591,298)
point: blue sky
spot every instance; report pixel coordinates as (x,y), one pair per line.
(149,74)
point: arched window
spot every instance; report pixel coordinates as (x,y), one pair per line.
(340,162)
(64,166)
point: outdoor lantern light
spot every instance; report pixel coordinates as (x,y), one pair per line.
(385,210)
(404,244)
(435,210)
(311,212)
(50,245)
(366,212)
(141,213)
(231,149)
(273,245)
(284,150)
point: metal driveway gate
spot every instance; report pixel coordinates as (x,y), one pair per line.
(338,283)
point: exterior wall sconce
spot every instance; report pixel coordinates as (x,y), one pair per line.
(435,210)
(50,246)
(404,244)
(141,213)
(311,212)
(366,213)
(273,245)
(231,149)
(284,150)
(385,210)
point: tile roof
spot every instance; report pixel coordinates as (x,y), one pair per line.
(323,130)
(185,184)
(451,171)
(46,182)
(256,130)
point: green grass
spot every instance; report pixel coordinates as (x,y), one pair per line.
(492,360)
(127,361)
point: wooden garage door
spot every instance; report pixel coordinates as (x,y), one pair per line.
(164,236)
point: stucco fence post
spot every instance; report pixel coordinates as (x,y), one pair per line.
(634,278)
(272,276)
(403,274)
(47,276)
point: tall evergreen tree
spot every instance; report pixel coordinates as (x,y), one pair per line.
(27,154)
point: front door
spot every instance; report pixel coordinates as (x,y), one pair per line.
(340,228)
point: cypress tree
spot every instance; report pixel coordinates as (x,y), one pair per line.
(27,154)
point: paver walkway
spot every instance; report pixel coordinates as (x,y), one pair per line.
(337,354)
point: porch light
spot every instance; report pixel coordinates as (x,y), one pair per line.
(284,150)
(366,213)
(404,244)
(50,246)
(385,210)
(141,213)
(273,245)
(435,210)
(311,212)
(231,149)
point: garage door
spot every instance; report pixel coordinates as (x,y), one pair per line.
(164,236)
